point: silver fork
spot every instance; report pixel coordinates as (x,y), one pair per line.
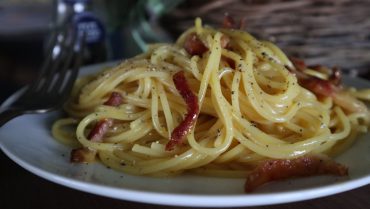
(55,79)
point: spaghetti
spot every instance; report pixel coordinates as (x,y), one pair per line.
(217,102)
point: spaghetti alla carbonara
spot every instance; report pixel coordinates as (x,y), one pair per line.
(217,102)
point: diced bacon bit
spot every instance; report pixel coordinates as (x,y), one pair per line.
(243,23)
(191,101)
(82,155)
(328,88)
(194,46)
(97,133)
(319,86)
(225,43)
(230,23)
(272,170)
(335,75)
(115,100)
(299,64)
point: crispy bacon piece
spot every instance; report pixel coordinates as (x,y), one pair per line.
(191,101)
(96,134)
(328,88)
(115,100)
(335,75)
(319,86)
(299,64)
(225,43)
(272,170)
(82,155)
(194,46)
(243,23)
(230,23)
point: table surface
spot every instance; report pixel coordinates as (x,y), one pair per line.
(22,189)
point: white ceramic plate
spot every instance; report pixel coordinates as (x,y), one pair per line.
(27,141)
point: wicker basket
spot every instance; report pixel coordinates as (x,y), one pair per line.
(330,32)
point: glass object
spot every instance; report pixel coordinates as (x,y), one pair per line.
(81,15)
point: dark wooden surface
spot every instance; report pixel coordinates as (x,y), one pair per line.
(21,189)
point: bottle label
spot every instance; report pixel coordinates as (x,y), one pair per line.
(93,28)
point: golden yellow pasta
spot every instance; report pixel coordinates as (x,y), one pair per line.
(252,107)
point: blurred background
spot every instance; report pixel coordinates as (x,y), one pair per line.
(328,32)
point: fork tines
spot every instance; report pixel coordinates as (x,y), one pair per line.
(60,68)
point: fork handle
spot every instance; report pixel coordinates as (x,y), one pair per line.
(9,114)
